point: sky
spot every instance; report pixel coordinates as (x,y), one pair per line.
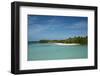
(56,27)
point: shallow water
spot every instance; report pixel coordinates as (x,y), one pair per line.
(49,51)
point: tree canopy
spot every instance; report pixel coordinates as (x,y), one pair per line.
(79,39)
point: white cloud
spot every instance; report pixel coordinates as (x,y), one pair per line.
(37,29)
(78,25)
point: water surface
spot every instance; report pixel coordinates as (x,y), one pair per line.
(50,51)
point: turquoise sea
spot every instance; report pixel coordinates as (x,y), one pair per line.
(50,51)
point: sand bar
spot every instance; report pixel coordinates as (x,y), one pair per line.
(66,44)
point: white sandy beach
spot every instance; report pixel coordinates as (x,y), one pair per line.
(66,44)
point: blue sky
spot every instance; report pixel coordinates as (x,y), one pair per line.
(56,27)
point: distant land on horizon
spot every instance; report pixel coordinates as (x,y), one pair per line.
(79,39)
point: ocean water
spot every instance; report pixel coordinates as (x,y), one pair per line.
(50,51)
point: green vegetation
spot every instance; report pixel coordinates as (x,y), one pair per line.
(79,40)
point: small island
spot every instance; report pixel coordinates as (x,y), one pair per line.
(72,40)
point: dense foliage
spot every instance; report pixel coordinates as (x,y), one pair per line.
(80,40)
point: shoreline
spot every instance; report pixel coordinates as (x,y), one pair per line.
(62,43)
(67,44)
